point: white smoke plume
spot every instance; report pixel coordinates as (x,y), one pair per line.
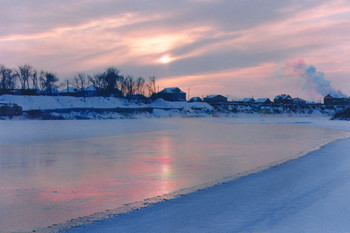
(312,80)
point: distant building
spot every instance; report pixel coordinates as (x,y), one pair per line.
(283,99)
(263,101)
(299,101)
(90,91)
(215,99)
(248,100)
(196,99)
(171,94)
(333,99)
(70,91)
(138,97)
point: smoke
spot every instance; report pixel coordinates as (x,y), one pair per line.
(312,80)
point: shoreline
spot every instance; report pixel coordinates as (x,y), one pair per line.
(149,202)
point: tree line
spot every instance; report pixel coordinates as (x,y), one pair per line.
(28,80)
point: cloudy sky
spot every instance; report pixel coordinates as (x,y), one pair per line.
(238,48)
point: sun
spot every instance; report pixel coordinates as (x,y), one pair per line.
(165,59)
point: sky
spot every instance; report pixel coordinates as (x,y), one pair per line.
(236,48)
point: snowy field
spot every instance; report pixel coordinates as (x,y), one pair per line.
(309,194)
(67,182)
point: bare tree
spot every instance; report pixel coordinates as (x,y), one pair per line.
(151,85)
(24,73)
(140,84)
(80,82)
(7,78)
(107,81)
(34,78)
(129,84)
(97,81)
(111,77)
(48,82)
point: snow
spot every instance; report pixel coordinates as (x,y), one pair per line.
(160,103)
(212,96)
(248,100)
(283,97)
(261,100)
(309,194)
(61,102)
(65,102)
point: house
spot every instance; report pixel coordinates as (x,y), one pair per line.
(334,99)
(90,91)
(283,99)
(70,91)
(215,99)
(299,101)
(196,99)
(172,94)
(248,100)
(263,101)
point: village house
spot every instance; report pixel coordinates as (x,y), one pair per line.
(70,91)
(172,94)
(195,99)
(215,99)
(333,99)
(263,101)
(299,101)
(283,99)
(248,100)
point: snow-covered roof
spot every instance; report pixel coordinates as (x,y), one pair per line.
(298,99)
(213,96)
(90,88)
(196,99)
(283,97)
(69,90)
(248,100)
(172,90)
(262,100)
(336,95)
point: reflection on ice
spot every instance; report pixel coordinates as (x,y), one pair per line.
(49,182)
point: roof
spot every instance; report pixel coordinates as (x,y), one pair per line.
(298,99)
(90,88)
(283,97)
(196,99)
(214,96)
(336,95)
(70,90)
(248,100)
(172,90)
(262,100)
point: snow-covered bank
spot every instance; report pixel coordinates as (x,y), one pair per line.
(69,108)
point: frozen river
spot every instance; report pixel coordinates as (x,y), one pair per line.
(53,171)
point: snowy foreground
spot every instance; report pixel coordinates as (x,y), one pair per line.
(309,194)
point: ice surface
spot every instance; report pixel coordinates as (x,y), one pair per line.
(310,194)
(52,171)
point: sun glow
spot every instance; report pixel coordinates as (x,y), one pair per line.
(165,59)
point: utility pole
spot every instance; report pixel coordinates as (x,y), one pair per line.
(188,90)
